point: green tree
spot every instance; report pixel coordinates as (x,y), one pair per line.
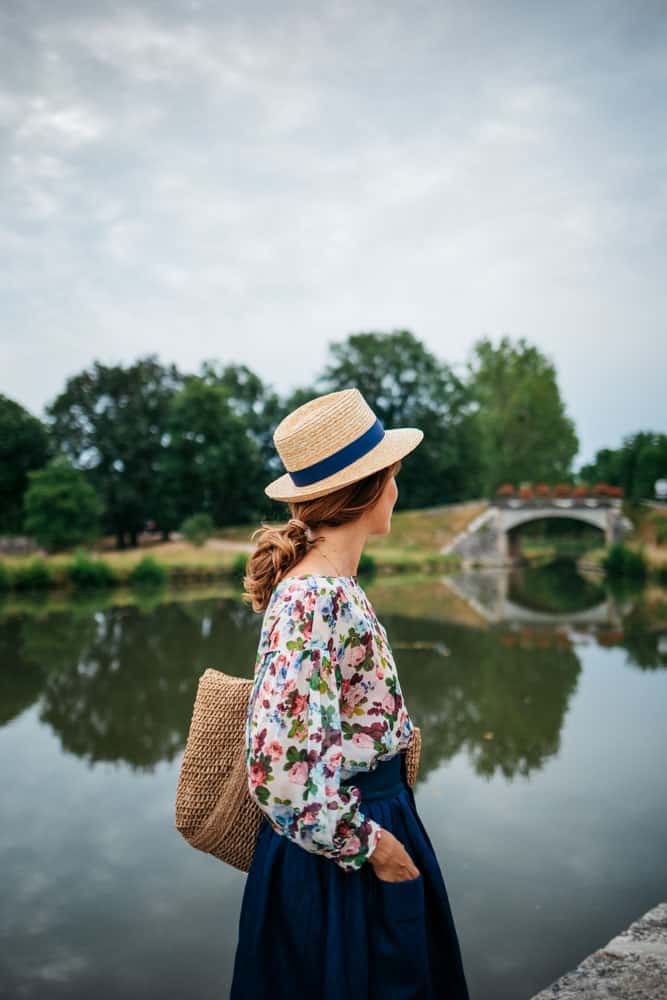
(524,431)
(408,386)
(24,446)
(111,421)
(641,459)
(210,463)
(61,507)
(260,409)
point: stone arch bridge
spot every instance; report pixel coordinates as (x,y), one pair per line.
(490,539)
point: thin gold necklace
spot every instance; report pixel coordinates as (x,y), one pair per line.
(330,562)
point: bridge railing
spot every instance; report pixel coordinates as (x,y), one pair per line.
(556,503)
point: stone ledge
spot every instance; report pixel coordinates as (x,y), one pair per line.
(632,966)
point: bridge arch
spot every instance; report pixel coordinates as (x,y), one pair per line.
(576,514)
(513,529)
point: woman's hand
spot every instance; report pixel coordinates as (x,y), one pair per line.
(391,861)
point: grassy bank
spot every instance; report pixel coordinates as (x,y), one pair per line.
(413,545)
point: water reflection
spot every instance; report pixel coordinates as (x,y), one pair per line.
(541,771)
(117,683)
(498,695)
(552,593)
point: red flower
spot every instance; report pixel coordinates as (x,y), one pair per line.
(299,703)
(258,773)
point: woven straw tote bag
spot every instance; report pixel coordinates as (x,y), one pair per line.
(215,811)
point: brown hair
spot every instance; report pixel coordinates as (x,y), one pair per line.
(281,546)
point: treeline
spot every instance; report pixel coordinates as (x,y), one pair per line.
(635,466)
(126,446)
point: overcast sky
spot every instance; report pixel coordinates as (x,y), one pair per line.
(249,181)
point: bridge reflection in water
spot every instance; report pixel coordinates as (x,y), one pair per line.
(554,594)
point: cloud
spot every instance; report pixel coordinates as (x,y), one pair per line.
(243,182)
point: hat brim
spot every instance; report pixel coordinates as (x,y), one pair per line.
(396,443)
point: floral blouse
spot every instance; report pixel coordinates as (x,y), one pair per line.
(326,704)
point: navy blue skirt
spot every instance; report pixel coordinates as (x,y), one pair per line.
(307,928)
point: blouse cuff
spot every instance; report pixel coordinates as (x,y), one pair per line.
(368,843)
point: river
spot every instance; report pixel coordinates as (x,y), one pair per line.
(541,698)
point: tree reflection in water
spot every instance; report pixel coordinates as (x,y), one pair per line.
(117,683)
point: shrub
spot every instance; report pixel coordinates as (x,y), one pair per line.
(34,575)
(61,507)
(86,572)
(5,579)
(622,561)
(198,528)
(148,573)
(240,566)
(367,565)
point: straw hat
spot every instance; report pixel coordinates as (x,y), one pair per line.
(332,441)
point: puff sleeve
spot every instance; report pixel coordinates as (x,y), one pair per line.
(294,737)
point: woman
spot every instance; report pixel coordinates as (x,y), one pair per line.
(344,899)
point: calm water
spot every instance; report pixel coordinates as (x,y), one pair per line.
(542,701)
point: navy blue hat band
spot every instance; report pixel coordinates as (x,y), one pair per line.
(345,456)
